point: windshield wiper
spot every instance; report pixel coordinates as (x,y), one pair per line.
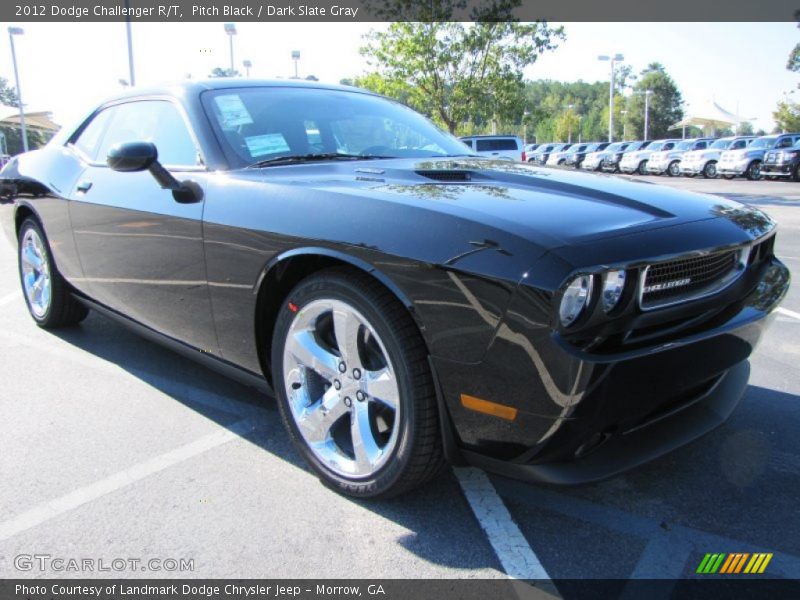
(302,158)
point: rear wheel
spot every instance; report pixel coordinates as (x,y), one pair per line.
(753,172)
(710,170)
(354,386)
(47,294)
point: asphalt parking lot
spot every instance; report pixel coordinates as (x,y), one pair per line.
(113,447)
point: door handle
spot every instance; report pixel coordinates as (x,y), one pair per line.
(84,186)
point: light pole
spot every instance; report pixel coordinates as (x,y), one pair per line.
(12,31)
(526,113)
(247,64)
(230,29)
(569,123)
(132,77)
(296,59)
(613,59)
(624,125)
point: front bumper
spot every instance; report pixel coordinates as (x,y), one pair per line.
(692,168)
(628,166)
(618,453)
(732,168)
(591,164)
(609,165)
(778,170)
(583,416)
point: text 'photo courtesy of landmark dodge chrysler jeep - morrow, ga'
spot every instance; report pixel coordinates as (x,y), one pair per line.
(408,302)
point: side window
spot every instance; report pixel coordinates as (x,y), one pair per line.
(700,146)
(784,143)
(88,141)
(738,144)
(156,121)
(469,143)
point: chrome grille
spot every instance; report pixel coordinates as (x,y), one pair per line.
(687,279)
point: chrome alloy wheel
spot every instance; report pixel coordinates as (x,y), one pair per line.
(35,273)
(342,389)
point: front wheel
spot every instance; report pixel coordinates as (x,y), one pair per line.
(753,172)
(47,295)
(710,170)
(673,170)
(642,168)
(354,387)
(796,173)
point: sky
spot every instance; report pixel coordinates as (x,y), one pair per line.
(68,67)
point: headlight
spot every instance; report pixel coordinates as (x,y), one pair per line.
(613,285)
(575,299)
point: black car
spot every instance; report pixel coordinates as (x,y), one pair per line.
(408,304)
(782,163)
(611,162)
(575,159)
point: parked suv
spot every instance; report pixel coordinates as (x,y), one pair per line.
(611,162)
(782,163)
(504,147)
(543,152)
(747,161)
(594,160)
(704,162)
(669,161)
(636,161)
(575,159)
(561,158)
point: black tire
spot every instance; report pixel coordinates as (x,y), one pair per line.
(417,455)
(710,170)
(642,168)
(753,172)
(62,310)
(796,173)
(673,170)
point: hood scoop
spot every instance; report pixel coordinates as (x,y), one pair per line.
(447,175)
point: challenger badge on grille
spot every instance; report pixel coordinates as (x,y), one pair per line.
(668,285)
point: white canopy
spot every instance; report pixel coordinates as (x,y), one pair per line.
(709,116)
(40,120)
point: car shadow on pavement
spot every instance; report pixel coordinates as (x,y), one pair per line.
(442,529)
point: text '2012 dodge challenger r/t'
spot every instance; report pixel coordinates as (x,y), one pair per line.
(408,302)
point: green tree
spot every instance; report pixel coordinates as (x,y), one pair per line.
(664,104)
(457,72)
(793,63)
(13,134)
(787,116)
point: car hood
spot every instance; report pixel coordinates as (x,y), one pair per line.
(546,206)
(744,152)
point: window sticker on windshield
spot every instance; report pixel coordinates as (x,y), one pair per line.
(233,111)
(269,143)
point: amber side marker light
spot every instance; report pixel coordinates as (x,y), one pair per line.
(490,408)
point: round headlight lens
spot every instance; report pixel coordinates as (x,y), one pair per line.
(575,299)
(613,285)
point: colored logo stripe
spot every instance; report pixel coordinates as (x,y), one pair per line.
(733,563)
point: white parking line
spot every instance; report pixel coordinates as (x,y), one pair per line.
(788,313)
(512,549)
(53,508)
(9,298)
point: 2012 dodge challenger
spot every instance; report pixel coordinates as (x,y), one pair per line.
(409,303)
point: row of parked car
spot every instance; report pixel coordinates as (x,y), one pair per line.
(770,156)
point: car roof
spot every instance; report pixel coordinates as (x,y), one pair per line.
(196,87)
(499,135)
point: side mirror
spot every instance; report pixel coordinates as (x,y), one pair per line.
(140,156)
(132,156)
